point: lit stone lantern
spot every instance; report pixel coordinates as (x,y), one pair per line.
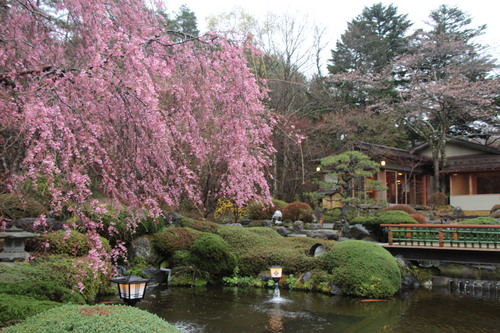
(276,272)
(13,246)
(131,288)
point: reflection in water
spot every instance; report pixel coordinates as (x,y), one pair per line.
(229,310)
(275,323)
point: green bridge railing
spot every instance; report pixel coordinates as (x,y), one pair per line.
(444,235)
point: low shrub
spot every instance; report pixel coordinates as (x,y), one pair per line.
(242,240)
(61,270)
(364,220)
(14,207)
(170,240)
(298,211)
(420,218)
(404,208)
(14,308)
(481,220)
(438,199)
(42,290)
(181,258)
(211,253)
(93,319)
(205,226)
(394,217)
(362,269)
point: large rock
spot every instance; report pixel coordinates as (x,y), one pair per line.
(357,231)
(142,247)
(324,234)
(298,226)
(283,231)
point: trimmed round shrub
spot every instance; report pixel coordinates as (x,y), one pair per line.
(42,290)
(420,218)
(14,207)
(394,217)
(364,220)
(438,199)
(404,208)
(18,307)
(170,240)
(298,211)
(481,220)
(93,319)
(211,253)
(362,269)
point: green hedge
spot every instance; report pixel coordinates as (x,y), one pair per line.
(212,254)
(93,319)
(17,307)
(481,220)
(385,217)
(362,269)
(76,245)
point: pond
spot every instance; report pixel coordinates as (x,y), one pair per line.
(221,310)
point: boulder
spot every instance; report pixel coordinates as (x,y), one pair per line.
(324,234)
(357,231)
(142,247)
(313,226)
(298,226)
(283,231)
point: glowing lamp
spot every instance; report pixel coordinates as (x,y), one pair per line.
(131,288)
(276,273)
(382,163)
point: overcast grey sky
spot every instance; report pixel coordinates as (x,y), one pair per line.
(334,15)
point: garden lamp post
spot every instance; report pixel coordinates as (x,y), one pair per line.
(131,288)
(276,273)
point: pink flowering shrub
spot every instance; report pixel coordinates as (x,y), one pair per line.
(97,96)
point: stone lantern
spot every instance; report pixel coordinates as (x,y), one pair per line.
(13,246)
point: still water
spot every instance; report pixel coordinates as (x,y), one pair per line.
(230,310)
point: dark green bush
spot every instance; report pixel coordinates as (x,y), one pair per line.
(364,220)
(93,319)
(290,252)
(298,211)
(42,290)
(211,253)
(181,258)
(243,240)
(170,240)
(14,207)
(394,217)
(14,308)
(404,208)
(362,269)
(481,220)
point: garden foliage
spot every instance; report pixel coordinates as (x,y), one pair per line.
(298,211)
(363,269)
(93,319)
(18,307)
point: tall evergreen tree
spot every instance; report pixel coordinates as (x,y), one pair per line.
(371,41)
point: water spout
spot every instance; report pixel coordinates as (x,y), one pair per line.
(276,291)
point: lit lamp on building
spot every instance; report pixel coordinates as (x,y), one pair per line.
(318,169)
(131,288)
(276,273)
(382,163)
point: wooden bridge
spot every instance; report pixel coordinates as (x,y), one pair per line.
(445,242)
